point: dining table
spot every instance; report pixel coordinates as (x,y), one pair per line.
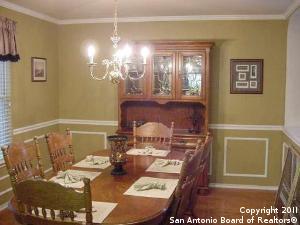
(129,209)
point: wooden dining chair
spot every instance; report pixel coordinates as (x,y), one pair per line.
(61,150)
(205,160)
(205,149)
(44,202)
(288,193)
(152,133)
(188,177)
(23,161)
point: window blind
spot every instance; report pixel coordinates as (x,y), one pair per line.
(5,113)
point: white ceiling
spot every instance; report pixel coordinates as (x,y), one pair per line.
(64,10)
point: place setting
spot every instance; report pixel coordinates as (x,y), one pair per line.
(73,178)
(94,162)
(149,151)
(100,211)
(165,166)
(153,187)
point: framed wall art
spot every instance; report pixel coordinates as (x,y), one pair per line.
(246,76)
(38,69)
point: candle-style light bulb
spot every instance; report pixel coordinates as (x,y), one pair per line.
(145,52)
(127,51)
(91,53)
(120,54)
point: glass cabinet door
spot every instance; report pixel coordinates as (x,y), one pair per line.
(163,75)
(191,75)
(134,86)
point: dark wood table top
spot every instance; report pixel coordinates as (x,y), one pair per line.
(130,209)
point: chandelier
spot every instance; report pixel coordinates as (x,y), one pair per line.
(121,65)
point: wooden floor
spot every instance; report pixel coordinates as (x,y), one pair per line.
(219,203)
(227,203)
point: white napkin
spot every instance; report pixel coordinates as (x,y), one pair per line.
(164,163)
(165,166)
(96,161)
(149,186)
(68,177)
(154,192)
(148,150)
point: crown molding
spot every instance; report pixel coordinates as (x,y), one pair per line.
(173,18)
(27,11)
(45,17)
(292,8)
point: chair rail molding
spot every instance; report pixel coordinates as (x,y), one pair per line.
(213,126)
(245,127)
(35,126)
(89,122)
(293,133)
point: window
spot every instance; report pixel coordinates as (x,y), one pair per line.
(5,125)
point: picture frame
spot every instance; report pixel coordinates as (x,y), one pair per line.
(246,76)
(38,69)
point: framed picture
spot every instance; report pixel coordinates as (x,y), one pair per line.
(246,76)
(38,69)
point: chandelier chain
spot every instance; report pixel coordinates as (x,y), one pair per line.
(116,19)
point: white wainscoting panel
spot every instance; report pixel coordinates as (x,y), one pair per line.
(92,133)
(264,175)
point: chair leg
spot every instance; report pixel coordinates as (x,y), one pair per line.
(191,214)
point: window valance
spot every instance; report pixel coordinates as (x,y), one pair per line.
(8,45)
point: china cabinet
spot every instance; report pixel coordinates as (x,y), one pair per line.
(175,88)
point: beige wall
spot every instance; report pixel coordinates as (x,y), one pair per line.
(70,93)
(233,39)
(246,161)
(32,102)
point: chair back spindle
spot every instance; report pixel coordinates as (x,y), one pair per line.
(23,161)
(152,133)
(44,202)
(61,150)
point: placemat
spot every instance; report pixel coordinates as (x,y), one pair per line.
(153,193)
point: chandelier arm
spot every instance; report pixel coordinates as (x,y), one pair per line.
(114,66)
(95,77)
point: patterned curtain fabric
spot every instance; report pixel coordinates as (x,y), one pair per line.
(8,46)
